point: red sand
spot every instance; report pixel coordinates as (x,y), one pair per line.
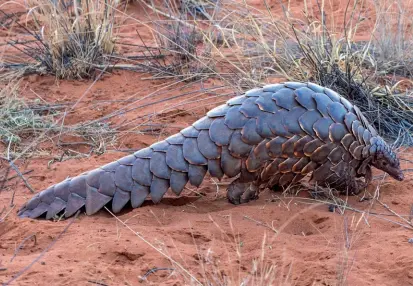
(211,239)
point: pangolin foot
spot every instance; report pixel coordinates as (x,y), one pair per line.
(239,193)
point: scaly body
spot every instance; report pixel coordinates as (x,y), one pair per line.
(275,135)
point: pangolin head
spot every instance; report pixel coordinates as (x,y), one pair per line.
(385,159)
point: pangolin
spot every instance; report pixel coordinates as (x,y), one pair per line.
(270,136)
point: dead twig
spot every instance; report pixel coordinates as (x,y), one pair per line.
(12,198)
(411,213)
(261,223)
(14,176)
(19,247)
(153,270)
(396,214)
(97,283)
(4,180)
(9,211)
(16,169)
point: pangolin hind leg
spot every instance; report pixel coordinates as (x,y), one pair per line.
(240,192)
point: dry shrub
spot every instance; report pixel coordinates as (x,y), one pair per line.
(186,56)
(26,123)
(71,38)
(19,119)
(393,40)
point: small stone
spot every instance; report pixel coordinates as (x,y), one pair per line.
(410,240)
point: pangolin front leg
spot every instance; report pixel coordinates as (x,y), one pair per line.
(348,181)
(274,135)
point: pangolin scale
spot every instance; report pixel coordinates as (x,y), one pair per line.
(270,136)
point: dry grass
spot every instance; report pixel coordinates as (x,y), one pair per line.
(393,41)
(23,122)
(69,40)
(243,47)
(18,119)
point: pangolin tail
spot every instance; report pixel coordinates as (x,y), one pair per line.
(148,172)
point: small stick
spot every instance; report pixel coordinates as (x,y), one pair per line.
(19,247)
(15,176)
(346,233)
(411,213)
(12,198)
(261,223)
(394,213)
(3,218)
(62,144)
(153,270)
(16,169)
(3,182)
(97,283)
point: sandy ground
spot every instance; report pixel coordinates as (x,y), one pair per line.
(275,240)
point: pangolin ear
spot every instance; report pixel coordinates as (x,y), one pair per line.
(362,170)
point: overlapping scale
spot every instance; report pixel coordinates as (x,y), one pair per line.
(234,118)
(219,132)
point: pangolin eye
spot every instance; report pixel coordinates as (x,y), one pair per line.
(384,163)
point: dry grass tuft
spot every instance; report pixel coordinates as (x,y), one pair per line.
(67,39)
(24,122)
(186,56)
(19,119)
(393,41)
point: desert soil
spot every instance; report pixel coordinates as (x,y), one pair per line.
(275,240)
